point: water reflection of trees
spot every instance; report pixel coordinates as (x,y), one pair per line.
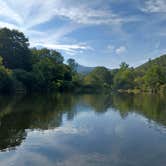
(153,107)
(99,103)
(33,112)
(46,112)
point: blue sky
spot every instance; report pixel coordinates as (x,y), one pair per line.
(94,32)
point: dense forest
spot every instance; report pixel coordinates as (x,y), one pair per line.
(25,69)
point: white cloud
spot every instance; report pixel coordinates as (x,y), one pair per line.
(71,49)
(9,25)
(155,6)
(8,12)
(121,50)
(26,15)
(116,50)
(36,12)
(86,15)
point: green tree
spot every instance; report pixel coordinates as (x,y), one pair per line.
(124,78)
(124,66)
(99,78)
(14,49)
(6,81)
(50,75)
(73,64)
(154,77)
(37,54)
(25,80)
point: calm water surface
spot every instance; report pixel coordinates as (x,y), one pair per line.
(83,130)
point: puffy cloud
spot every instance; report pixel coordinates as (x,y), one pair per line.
(121,50)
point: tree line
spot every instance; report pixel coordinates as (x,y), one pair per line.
(25,69)
(129,79)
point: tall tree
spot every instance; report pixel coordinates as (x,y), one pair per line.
(14,49)
(123,79)
(73,64)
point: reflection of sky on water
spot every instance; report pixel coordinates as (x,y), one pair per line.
(91,139)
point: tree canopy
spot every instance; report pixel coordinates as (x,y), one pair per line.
(14,49)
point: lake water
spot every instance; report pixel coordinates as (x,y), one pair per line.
(83,130)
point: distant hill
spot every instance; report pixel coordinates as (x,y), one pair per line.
(84,69)
(161,61)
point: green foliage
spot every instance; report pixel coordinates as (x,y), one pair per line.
(33,69)
(99,78)
(154,77)
(124,66)
(160,61)
(124,77)
(6,82)
(73,65)
(25,80)
(14,49)
(50,75)
(44,52)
